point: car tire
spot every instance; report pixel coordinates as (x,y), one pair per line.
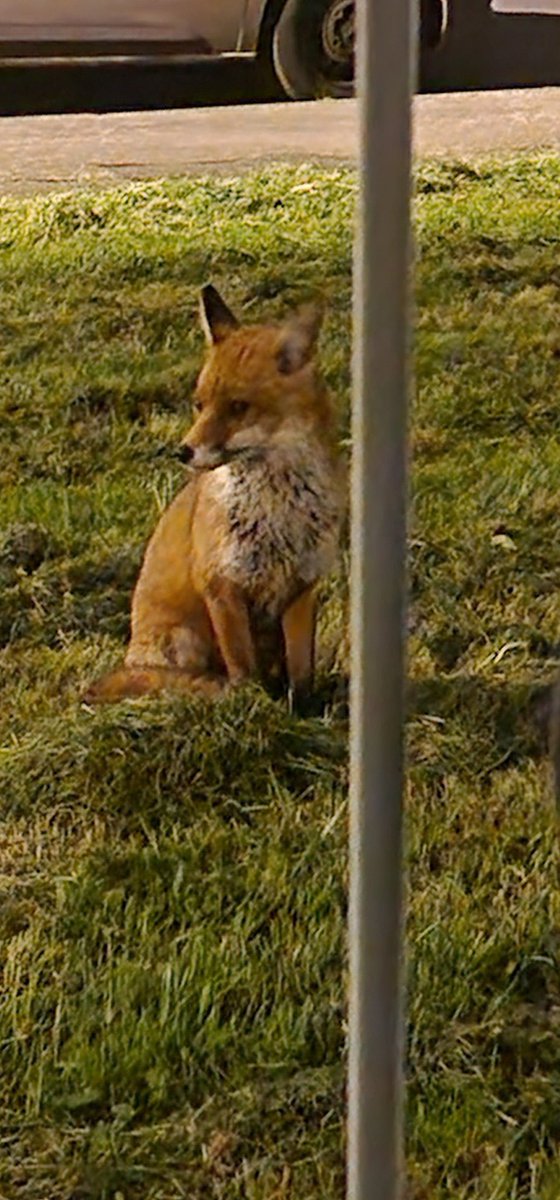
(313,45)
(313,48)
(434,16)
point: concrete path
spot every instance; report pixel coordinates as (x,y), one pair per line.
(53,153)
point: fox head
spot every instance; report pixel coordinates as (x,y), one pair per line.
(257,387)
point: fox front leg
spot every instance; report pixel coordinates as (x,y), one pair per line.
(229,615)
(298,624)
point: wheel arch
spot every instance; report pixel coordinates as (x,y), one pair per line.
(271,14)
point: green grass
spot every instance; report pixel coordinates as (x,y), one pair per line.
(172,1021)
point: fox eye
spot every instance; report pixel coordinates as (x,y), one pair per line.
(196,408)
(238,408)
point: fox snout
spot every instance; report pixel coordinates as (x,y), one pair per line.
(202,455)
(205,443)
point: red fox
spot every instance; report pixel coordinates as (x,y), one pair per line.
(233,564)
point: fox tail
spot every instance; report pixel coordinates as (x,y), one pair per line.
(129,683)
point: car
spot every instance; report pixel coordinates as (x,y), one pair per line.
(308,43)
(114,55)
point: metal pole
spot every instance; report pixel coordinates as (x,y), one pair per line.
(382,261)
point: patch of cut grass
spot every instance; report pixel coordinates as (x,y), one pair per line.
(172,873)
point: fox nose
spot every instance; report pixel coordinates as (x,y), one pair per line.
(185,454)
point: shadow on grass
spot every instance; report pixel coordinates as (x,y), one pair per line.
(508,722)
(162,759)
(471,727)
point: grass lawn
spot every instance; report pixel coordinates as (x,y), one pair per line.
(172,1017)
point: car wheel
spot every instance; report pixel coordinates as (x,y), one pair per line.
(313,45)
(313,48)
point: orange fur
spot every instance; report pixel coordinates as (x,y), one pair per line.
(227,583)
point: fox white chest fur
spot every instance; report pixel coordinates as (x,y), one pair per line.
(282,508)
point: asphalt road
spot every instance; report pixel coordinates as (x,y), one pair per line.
(57,152)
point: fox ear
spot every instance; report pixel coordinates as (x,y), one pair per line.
(298,339)
(216,318)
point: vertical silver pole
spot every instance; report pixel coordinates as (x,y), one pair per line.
(382,262)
